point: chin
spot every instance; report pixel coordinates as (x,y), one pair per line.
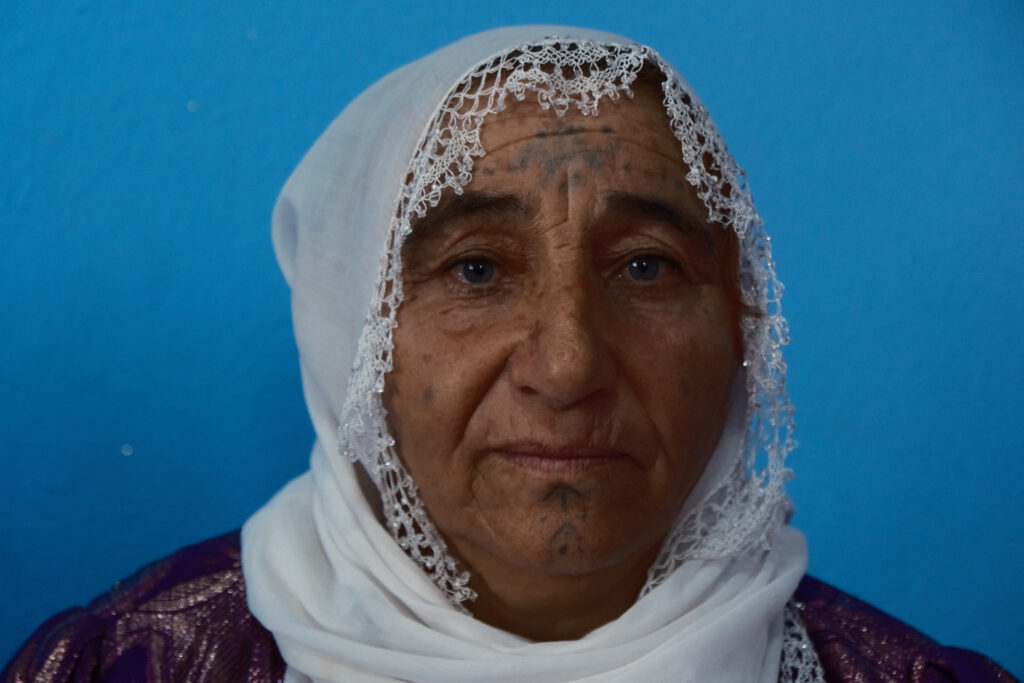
(566,544)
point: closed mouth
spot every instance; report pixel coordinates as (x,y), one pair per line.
(559,460)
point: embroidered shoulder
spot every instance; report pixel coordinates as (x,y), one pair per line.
(800,663)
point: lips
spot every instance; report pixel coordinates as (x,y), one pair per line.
(558,460)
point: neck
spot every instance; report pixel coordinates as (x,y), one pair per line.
(544,606)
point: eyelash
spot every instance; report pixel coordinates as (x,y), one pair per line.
(457,270)
(661,260)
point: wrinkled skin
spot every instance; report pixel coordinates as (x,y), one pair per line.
(563,360)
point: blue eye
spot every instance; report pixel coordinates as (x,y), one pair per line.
(477,271)
(644,267)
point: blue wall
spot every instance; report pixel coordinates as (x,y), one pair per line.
(150,392)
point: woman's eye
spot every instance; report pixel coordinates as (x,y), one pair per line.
(644,267)
(475,271)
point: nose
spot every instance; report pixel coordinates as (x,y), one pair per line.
(565,358)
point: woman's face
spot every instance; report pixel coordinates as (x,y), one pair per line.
(565,347)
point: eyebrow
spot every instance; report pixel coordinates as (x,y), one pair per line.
(501,205)
(658,210)
(469,203)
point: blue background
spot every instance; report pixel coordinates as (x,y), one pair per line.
(142,147)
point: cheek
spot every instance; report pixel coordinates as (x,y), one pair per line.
(683,374)
(445,365)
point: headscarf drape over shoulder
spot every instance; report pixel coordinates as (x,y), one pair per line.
(322,565)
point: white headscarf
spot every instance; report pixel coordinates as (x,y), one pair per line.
(343,599)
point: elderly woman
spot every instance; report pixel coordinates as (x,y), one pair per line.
(540,339)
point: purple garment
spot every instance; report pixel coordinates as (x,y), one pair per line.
(185,618)
(856,642)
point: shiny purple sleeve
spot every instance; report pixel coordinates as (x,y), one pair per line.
(183,618)
(857,642)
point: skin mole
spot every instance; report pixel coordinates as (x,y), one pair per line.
(428,394)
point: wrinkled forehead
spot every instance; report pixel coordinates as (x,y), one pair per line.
(559,77)
(625,157)
(640,118)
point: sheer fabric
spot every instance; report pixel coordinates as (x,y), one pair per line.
(362,585)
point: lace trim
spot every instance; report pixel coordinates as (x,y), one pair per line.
(800,663)
(751,502)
